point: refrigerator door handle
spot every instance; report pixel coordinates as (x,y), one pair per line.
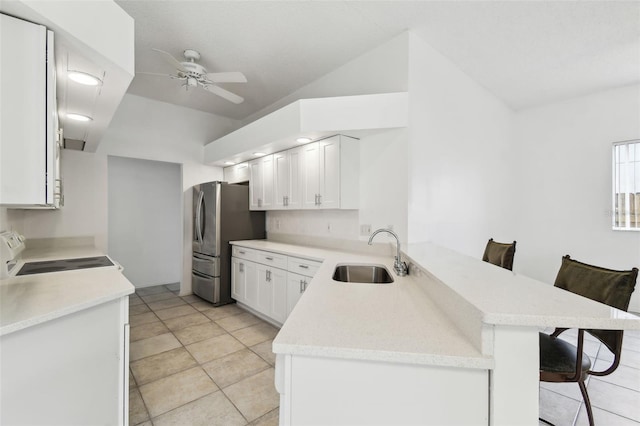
(199,216)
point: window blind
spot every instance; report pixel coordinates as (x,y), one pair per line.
(626,185)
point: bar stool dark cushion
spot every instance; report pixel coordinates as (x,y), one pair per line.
(561,361)
(500,254)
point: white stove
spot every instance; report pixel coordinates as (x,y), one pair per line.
(11,245)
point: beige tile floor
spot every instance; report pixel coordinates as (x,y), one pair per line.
(615,399)
(193,364)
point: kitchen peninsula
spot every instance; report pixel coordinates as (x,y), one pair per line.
(65,342)
(454,342)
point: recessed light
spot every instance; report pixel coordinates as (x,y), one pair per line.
(229,163)
(303,140)
(84,78)
(259,154)
(79,117)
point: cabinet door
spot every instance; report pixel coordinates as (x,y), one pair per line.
(267,182)
(265,289)
(237,173)
(296,286)
(295,178)
(261,183)
(251,284)
(310,176)
(278,309)
(329,173)
(238,279)
(23,112)
(281,182)
(255,185)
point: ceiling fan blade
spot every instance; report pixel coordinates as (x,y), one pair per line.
(227,77)
(155,73)
(217,90)
(173,61)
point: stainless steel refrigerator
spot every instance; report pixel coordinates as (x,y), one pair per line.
(220,214)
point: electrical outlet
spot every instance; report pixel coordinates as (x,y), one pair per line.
(365,230)
(277,224)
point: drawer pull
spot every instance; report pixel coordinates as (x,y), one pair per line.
(301,286)
(269,258)
(242,252)
(303,266)
(241,267)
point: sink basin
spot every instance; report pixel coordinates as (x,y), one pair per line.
(369,274)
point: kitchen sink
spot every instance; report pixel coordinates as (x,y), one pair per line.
(369,274)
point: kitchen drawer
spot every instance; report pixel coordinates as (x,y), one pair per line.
(244,253)
(272,259)
(303,266)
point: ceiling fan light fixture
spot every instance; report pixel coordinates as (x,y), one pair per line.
(229,163)
(84,78)
(259,154)
(78,117)
(303,140)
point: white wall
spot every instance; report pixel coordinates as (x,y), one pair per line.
(383,69)
(564,183)
(383,156)
(85,196)
(153,130)
(460,156)
(145,219)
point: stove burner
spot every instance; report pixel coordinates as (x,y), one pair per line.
(31,268)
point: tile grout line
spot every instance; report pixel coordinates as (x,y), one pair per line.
(200,365)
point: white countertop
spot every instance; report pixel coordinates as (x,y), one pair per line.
(394,322)
(506,298)
(28,300)
(403,321)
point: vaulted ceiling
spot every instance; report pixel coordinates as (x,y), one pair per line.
(526,53)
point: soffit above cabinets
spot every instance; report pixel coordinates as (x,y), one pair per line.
(104,49)
(355,116)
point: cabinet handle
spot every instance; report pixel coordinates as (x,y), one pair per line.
(304,288)
(301,286)
(319,199)
(268,277)
(241,252)
(303,266)
(241,267)
(316,202)
(269,258)
(259,202)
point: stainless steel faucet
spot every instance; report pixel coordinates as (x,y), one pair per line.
(399,266)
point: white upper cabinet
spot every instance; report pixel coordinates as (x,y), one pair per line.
(318,175)
(310,175)
(261,191)
(330,174)
(29,151)
(281,180)
(237,173)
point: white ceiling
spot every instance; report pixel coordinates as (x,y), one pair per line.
(526,53)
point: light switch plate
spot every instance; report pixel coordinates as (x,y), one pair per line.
(365,230)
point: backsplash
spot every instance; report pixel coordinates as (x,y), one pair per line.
(338,224)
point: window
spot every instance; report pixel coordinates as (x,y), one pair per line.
(626,185)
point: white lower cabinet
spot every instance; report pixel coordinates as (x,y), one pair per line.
(73,370)
(263,281)
(296,286)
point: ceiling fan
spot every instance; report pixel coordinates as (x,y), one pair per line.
(194,75)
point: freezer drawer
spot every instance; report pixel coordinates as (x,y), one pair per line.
(206,265)
(206,287)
